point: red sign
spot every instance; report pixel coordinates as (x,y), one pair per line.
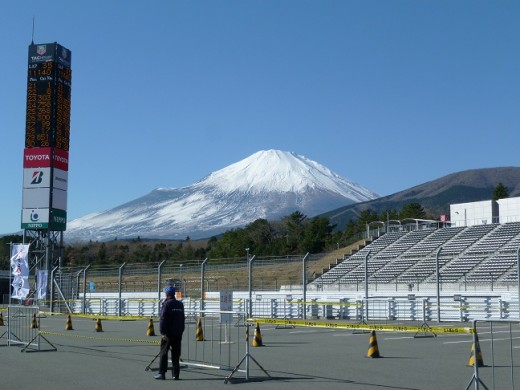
(41,158)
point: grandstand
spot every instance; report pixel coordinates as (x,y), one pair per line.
(479,254)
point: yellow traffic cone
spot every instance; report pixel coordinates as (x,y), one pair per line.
(257,340)
(151,330)
(99,327)
(68,325)
(1,319)
(34,324)
(476,353)
(373,350)
(199,336)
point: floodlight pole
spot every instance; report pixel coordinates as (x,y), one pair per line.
(159,277)
(202,271)
(85,288)
(250,277)
(120,278)
(437,271)
(366,284)
(304,276)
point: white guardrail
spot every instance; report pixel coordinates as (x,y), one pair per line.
(410,307)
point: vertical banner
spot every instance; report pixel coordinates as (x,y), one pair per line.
(42,283)
(20,270)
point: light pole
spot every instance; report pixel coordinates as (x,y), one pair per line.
(366,284)
(250,277)
(202,271)
(438,284)
(180,276)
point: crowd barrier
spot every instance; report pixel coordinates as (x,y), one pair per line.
(455,308)
(23,323)
(494,343)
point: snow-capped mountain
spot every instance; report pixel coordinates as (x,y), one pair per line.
(269,184)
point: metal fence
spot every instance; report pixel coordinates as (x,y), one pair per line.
(23,324)
(495,342)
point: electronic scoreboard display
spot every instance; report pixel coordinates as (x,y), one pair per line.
(48,97)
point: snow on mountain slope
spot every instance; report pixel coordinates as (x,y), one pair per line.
(268,184)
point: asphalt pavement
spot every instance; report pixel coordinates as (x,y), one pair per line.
(296,358)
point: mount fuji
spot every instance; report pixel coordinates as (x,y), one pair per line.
(269,184)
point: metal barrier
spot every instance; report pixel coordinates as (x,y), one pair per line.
(498,350)
(212,341)
(453,308)
(222,343)
(23,323)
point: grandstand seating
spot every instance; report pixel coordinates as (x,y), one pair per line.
(480,253)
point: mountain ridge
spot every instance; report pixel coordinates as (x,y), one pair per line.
(268,184)
(435,196)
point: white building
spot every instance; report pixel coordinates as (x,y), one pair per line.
(484,212)
(509,209)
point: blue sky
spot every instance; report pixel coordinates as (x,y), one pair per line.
(389,94)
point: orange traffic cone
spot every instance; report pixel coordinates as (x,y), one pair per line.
(373,350)
(151,330)
(68,325)
(257,340)
(476,354)
(199,336)
(34,324)
(99,327)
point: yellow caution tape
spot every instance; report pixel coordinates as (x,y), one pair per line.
(100,338)
(342,325)
(101,317)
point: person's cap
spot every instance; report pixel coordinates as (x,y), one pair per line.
(169,290)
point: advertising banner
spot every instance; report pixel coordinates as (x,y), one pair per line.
(41,158)
(20,270)
(60,179)
(36,178)
(20,287)
(42,284)
(35,219)
(41,178)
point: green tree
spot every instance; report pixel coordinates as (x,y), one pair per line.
(412,210)
(101,257)
(260,236)
(500,192)
(294,230)
(389,215)
(317,233)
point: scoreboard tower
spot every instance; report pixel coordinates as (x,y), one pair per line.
(46,153)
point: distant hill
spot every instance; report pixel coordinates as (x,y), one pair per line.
(437,195)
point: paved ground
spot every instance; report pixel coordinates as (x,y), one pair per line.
(295,358)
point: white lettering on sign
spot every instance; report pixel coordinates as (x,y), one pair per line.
(37,157)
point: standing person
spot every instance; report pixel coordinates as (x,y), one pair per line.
(171,326)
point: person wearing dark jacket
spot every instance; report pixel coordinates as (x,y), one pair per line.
(171,326)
